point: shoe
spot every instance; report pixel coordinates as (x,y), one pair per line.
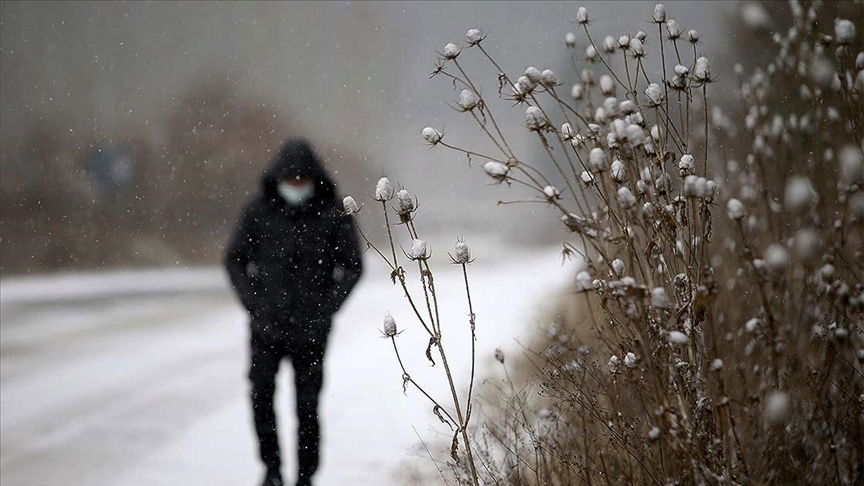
(272,478)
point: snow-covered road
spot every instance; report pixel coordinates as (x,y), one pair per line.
(138,378)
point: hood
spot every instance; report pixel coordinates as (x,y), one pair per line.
(296,157)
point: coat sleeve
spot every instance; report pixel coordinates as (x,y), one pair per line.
(348,261)
(241,251)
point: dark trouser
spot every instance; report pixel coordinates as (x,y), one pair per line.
(305,348)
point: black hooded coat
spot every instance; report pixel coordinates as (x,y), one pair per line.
(292,265)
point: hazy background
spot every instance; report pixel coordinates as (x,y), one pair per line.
(193,98)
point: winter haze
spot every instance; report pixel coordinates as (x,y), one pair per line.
(199,94)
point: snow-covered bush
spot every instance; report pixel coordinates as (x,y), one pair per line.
(721,257)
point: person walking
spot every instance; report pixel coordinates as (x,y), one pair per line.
(293,259)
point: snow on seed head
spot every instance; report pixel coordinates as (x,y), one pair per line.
(584,280)
(800,194)
(637,48)
(751,325)
(735,209)
(570,39)
(526,84)
(673,29)
(389,325)
(777,258)
(582,15)
(599,117)
(549,79)
(777,405)
(686,165)
(404,202)
(696,187)
(619,128)
(844,31)
(659,15)
(624,42)
(627,107)
(693,36)
(451,51)
(618,267)
(759,265)
(822,71)
(597,160)
(655,94)
(419,250)
(607,85)
(609,44)
(567,132)
(496,170)
(610,105)
(534,119)
(626,198)
(754,15)
(383,190)
(678,338)
(467,100)
(533,74)
(851,165)
(350,205)
(463,253)
(431,135)
(702,71)
(473,36)
(618,174)
(808,245)
(635,134)
(613,364)
(520,90)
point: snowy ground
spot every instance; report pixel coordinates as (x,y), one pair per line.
(138,378)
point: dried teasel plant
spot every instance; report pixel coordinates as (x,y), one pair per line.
(426,309)
(724,349)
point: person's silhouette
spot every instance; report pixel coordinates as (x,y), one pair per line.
(293,259)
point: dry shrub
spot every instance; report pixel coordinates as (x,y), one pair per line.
(721,254)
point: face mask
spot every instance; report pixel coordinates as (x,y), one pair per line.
(296,195)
